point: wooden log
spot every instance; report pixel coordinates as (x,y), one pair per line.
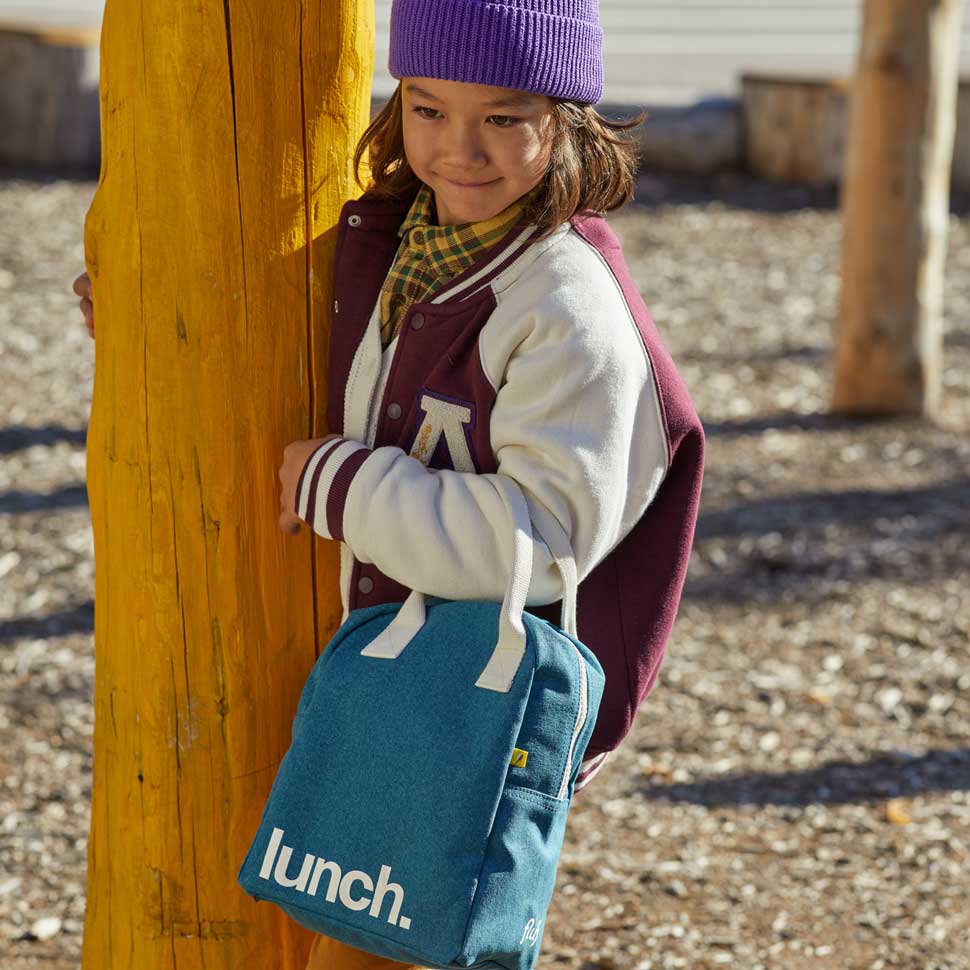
(701,138)
(794,128)
(49,99)
(228,138)
(895,203)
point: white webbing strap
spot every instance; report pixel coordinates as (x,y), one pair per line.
(399,632)
(500,671)
(546,526)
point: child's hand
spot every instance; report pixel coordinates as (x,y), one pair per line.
(82,286)
(295,456)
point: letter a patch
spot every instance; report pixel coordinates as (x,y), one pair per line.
(446,418)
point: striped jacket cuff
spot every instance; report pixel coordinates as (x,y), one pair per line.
(321,492)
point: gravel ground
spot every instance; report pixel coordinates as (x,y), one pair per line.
(795,793)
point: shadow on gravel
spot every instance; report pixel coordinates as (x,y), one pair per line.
(73,619)
(735,188)
(763,355)
(17,437)
(945,506)
(807,546)
(15,501)
(808,354)
(957,339)
(898,774)
(786,421)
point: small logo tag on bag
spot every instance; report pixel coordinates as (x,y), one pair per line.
(531,932)
(519,758)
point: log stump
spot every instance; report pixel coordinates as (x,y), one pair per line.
(49,100)
(794,128)
(701,138)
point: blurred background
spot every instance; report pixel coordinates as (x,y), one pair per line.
(684,61)
(796,793)
(664,52)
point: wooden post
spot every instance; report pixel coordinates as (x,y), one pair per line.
(228,131)
(895,206)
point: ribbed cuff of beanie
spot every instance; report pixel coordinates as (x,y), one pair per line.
(556,50)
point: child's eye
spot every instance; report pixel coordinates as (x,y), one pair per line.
(500,121)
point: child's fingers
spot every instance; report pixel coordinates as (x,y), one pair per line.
(87,308)
(289,523)
(82,286)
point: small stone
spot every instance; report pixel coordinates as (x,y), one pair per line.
(45,927)
(769,741)
(889,698)
(676,888)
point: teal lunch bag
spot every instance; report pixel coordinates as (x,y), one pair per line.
(419,812)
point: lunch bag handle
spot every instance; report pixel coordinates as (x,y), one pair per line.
(500,671)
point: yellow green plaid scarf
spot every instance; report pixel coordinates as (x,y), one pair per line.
(430,255)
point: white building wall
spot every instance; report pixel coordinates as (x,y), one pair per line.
(656,51)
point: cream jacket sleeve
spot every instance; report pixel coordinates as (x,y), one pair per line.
(576,424)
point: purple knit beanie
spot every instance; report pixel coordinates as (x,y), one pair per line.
(552,47)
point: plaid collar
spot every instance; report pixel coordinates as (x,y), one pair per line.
(452,249)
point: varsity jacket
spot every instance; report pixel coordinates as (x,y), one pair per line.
(540,362)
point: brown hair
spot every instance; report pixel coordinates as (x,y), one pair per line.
(591,165)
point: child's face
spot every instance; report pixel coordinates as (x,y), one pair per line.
(477,156)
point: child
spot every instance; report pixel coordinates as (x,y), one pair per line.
(485,323)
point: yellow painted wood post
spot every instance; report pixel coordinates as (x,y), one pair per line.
(228,130)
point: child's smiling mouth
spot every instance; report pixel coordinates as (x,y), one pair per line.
(468,185)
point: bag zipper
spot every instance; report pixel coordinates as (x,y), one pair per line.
(581,714)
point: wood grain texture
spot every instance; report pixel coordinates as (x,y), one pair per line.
(896,206)
(228,131)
